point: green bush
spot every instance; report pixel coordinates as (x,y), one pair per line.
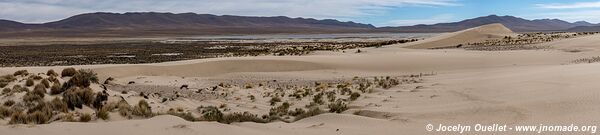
(68,72)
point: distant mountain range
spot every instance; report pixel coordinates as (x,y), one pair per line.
(151,23)
(513,23)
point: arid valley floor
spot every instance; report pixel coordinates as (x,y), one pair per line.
(392,89)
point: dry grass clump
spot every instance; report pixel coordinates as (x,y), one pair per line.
(29,82)
(32,97)
(102,113)
(85,117)
(9,103)
(211,113)
(40,89)
(7,78)
(68,72)
(241,117)
(280,110)
(311,112)
(55,89)
(51,72)
(274,100)
(76,97)
(142,109)
(36,77)
(186,116)
(21,73)
(18,118)
(45,82)
(59,105)
(83,79)
(354,96)
(124,108)
(5,112)
(337,107)
(6,91)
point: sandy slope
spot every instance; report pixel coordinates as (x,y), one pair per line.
(477,34)
(508,87)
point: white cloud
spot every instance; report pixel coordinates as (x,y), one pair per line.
(432,20)
(48,10)
(570,5)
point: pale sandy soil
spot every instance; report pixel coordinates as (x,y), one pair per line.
(523,87)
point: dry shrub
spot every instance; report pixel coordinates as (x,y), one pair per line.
(85,117)
(68,117)
(36,77)
(211,113)
(3,84)
(45,82)
(39,89)
(7,78)
(55,89)
(29,82)
(38,117)
(103,113)
(68,72)
(311,112)
(6,91)
(51,72)
(59,105)
(32,97)
(5,112)
(241,117)
(82,79)
(354,96)
(337,107)
(9,103)
(186,116)
(76,97)
(21,72)
(124,108)
(18,118)
(142,109)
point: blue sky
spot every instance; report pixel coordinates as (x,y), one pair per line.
(376,12)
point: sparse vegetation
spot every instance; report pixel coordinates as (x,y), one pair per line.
(85,117)
(142,109)
(337,107)
(68,72)
(51,72)
(29,82)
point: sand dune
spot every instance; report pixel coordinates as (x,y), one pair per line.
(477,34)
